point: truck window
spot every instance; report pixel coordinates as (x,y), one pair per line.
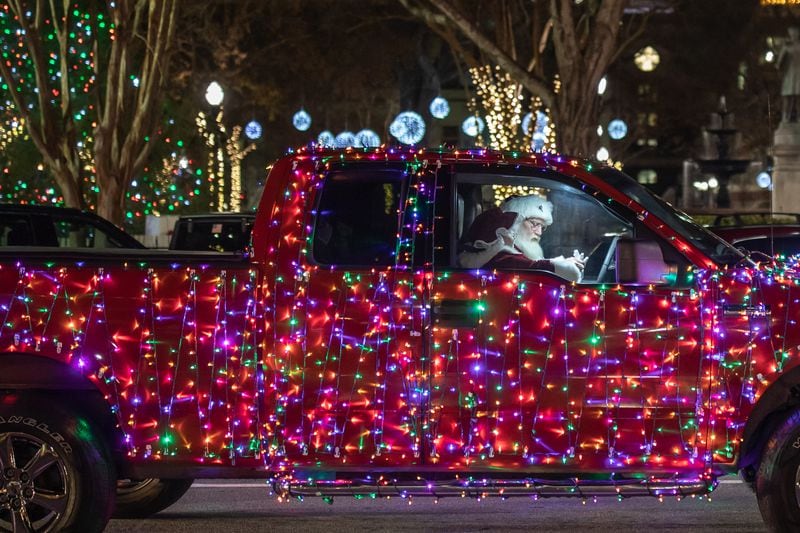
(15,230)
(219,234)
(574,219)
(357,218)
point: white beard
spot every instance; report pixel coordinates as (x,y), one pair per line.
(530,249)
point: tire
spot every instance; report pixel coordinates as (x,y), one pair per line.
(55,471)
(140,498)
(778,477)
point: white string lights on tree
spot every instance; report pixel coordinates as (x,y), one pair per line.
(439,107)
(501,99)
(408,127)
(301,120)
(235,154)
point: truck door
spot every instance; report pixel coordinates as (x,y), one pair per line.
(531,369)
(352,391)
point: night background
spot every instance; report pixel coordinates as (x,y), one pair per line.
(354,66)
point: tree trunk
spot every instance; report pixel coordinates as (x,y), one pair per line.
(73,196)
(111,200)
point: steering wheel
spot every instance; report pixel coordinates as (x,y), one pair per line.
(608,260)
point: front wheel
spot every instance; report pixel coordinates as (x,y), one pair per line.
(140,498)
(55,472)
(778,478)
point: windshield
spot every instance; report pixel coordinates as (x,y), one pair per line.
(713,246)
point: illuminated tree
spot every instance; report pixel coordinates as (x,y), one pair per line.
(557,50)
(88,83)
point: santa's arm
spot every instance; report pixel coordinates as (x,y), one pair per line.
(476,258)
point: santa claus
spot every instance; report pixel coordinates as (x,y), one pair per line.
(507,237)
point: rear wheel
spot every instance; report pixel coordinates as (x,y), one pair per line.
(139,498)
(55,472)
(778,478)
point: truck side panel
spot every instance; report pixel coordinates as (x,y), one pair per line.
(173,348)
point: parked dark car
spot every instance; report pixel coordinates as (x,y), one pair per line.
(41,225)
(218,232)
(762,231)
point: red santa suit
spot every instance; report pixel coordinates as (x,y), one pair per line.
(494,240)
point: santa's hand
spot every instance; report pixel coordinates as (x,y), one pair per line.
(579,258)
(567,268)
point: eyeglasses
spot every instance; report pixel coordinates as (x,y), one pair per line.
(536,223)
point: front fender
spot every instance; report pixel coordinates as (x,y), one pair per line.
(772,408)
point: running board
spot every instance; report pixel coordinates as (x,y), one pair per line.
(504,488)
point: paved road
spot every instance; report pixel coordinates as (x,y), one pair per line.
(232,506)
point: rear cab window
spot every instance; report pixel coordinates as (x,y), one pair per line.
(358,217)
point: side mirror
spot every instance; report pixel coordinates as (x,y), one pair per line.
(640,262)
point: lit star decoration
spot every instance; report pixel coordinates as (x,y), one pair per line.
(288,365)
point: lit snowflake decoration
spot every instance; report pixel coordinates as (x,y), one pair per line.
(538,129)
(301,120)
(617,129)
(326,139)
(473,126)
(345,139)
(408,127)
(367,139)
(439,107)
(253,130)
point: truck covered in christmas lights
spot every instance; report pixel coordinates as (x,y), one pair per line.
(394,331)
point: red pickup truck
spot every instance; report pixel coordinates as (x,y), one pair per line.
(407,322)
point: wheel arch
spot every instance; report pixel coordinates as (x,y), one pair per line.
(774,405)
(24,374)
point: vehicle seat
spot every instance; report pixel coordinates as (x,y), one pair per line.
(469,207)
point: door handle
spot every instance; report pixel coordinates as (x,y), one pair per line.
(456,313)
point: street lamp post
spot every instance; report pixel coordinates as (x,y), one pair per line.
(223,147)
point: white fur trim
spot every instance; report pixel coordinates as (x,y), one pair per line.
(531,206)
